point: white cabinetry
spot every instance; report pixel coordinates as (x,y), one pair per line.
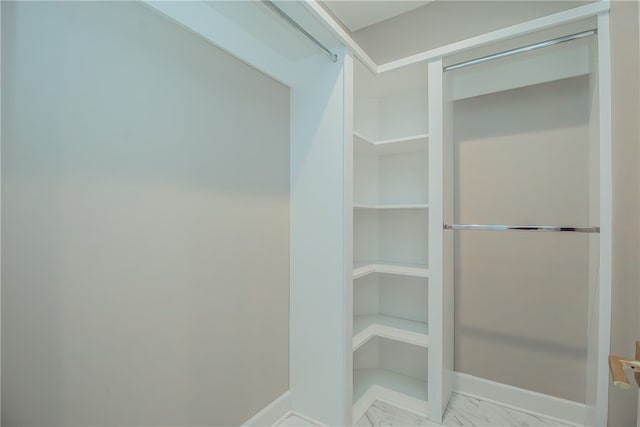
(390,238)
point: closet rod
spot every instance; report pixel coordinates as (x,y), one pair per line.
(496,227)
(521,50)
(271,5)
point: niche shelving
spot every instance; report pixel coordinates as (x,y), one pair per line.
(390,238)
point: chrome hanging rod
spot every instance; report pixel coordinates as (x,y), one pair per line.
(523,49)
(492,227)
(271,5)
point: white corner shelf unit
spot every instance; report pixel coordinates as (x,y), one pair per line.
(390,238)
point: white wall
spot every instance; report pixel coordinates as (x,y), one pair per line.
(145,217)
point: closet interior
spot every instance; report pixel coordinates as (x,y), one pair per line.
(449,214)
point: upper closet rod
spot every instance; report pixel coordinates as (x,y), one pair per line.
(520,50)
(496,227)
(271,5)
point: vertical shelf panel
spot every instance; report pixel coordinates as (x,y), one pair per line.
(320,275)
(440,367)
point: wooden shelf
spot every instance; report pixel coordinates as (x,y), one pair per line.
(407,144)
(391,206)
(415,270)
(380,384)
(394,328)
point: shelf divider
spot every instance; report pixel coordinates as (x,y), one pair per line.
(366,146)
(367,327)
(414,270)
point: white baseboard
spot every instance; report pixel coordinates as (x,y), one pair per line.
(272,413)
(532,402)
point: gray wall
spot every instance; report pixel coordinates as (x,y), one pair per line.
(522,157)
(443,22)
(145,219)
(625,73)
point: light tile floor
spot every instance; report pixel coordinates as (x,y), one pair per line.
(463,411)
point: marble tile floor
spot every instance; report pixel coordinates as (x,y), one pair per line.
(463,411)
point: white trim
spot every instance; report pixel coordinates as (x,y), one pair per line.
(531,402)
(272,413)
(571,15)
(341,34)
(436,362)
(534,25)
(347,312)
(0,225)
(606,225)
